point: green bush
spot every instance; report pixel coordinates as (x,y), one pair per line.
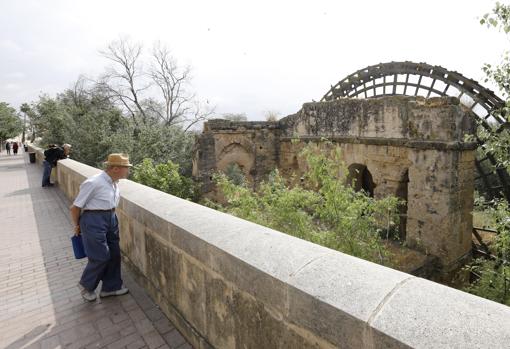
(164,177)
(493,280)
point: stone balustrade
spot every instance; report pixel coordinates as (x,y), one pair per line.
(228,283)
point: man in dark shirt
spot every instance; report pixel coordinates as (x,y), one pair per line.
(51,156)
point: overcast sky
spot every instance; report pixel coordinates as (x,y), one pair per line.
(247,56)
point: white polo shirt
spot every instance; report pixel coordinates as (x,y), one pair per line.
(98,192)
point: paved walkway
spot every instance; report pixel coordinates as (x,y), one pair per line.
(40,304)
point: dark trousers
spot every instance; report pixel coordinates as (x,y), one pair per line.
(100,234)
(46,173)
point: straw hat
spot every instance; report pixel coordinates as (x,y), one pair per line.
(121,160)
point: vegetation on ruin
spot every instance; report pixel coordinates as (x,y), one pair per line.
(320,208)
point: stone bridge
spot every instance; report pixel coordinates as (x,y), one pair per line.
(222,282)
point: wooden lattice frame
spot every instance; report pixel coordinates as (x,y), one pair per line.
(422,79)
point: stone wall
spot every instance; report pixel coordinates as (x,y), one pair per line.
(397,119)
(250,145)
(229,283)
(411,147)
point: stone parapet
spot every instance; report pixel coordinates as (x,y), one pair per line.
(39,153)
(229,283)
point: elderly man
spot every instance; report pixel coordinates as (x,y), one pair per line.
(93,214)
(51,156)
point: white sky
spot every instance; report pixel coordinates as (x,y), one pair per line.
(247,56)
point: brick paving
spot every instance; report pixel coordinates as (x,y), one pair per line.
(40,303)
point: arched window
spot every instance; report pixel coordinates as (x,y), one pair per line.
(360,178)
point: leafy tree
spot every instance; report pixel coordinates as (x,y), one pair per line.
(51,120)
(162,143)
(164,177)
(497,142)
(28,111)
(87,118)
(25,109)
(320,208)
(95,126)
(10,123)
(83,117)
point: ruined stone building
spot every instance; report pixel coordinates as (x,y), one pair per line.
(413,147)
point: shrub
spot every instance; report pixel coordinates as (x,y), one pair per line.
(164,177)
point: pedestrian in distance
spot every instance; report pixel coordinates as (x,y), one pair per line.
(8,148)
(51,157)
(15,148)
(93,215)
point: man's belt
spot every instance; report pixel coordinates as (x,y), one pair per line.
(108,210)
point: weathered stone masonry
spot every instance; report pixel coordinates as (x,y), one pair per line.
(410,147)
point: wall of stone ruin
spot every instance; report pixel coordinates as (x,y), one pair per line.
(249,145)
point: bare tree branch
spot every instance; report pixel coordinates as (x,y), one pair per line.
(126,55)
(126,83)
(171,81)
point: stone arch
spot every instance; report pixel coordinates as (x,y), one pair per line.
(235,153)
(359,177)
(422,79)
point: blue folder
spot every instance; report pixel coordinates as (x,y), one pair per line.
(79,251)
